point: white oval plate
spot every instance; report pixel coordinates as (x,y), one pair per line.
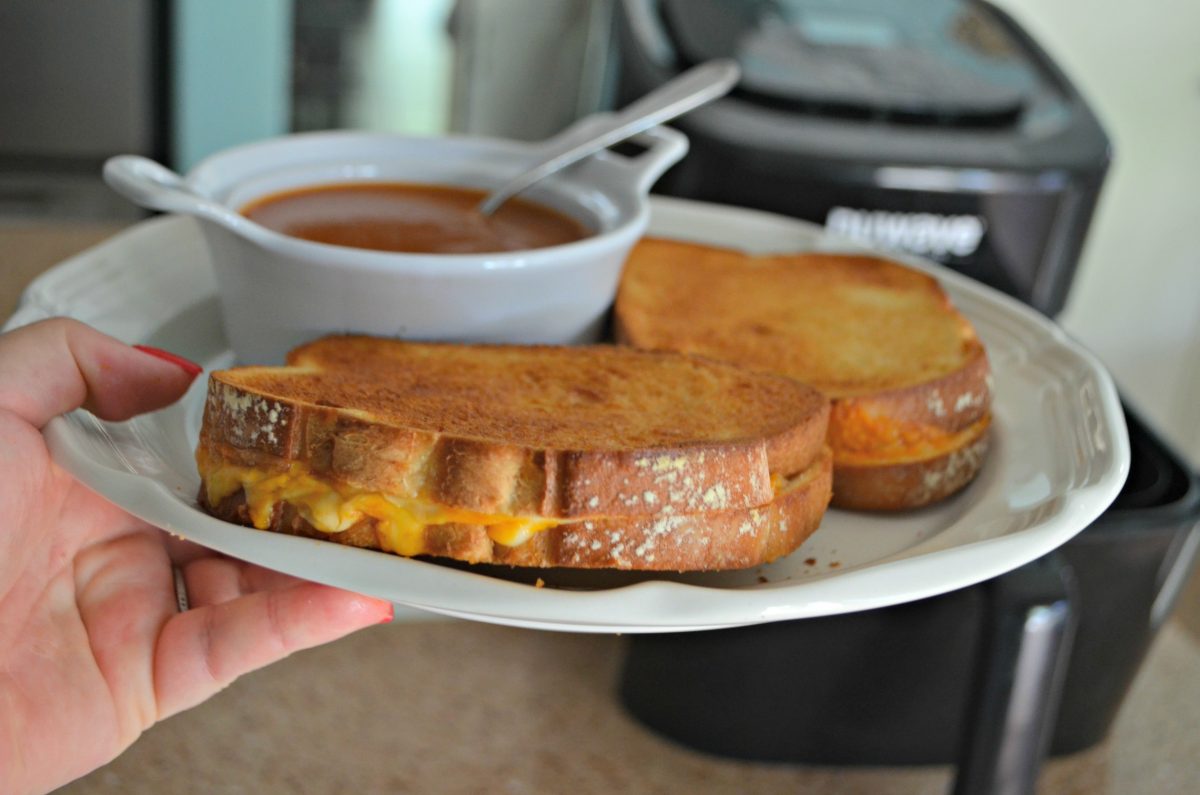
(1059,457)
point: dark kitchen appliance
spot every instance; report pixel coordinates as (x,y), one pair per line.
(906,684)
(940,128)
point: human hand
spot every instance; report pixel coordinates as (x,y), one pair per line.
(93,649)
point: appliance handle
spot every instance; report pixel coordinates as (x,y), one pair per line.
(1176,572)
(1023,662)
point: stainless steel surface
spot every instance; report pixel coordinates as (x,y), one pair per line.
(78,82)
(74,80)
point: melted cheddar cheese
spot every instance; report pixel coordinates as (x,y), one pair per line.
(858,436)
(400,522)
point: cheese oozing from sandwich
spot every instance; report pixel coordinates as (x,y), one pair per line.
(861,437)
(400,522)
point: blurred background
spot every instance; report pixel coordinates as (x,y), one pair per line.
(179,79)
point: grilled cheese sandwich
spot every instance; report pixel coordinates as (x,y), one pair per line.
(908,378)
(427,449)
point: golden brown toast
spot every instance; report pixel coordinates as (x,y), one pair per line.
(514,442)
(908,377)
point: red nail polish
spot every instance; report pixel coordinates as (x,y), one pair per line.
(189,367)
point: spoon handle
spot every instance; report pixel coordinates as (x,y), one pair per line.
(693,88)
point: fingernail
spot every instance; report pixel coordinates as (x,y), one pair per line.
(391,615)
(189,367)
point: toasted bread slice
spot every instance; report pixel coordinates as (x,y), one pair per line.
(908,377)
(706,541)
(512,431)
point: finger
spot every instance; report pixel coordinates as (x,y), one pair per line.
(54,366)
(215,579)
(201,651)
(181,551)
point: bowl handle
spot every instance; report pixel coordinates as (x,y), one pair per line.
(156,187)
(664,148)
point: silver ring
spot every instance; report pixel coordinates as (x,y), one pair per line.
(181,595)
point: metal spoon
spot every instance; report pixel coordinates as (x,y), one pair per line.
(695,87)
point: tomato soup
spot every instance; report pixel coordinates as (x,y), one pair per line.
(413,218)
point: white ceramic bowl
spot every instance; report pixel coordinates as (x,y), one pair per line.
(277,291)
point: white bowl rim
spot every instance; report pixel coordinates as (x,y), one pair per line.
(349,257)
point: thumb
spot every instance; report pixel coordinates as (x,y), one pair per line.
(58,365)
(201,651)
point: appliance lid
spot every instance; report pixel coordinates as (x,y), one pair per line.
(940,61)
(947,83)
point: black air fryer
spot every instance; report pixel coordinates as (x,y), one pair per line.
(938,128)
(933,126)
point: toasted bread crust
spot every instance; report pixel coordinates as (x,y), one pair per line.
(453,450)
(951,403)
(708,541)
(899,363)
(903,485)
(856,328)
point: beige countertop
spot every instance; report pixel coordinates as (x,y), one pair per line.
(455,707)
